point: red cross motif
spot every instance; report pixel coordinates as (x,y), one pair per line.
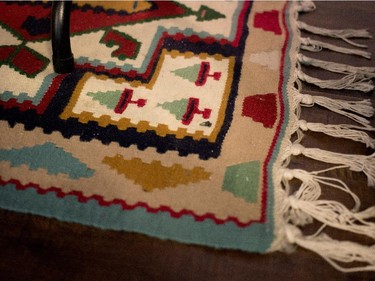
(192,109)
(204,73)
(126,99)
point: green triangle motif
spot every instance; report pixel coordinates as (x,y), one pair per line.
(242,180)
(189,73)
(177,107)
(205,13)
(108,99)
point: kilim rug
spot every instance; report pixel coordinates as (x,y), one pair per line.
(179,122)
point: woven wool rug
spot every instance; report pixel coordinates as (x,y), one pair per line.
(177,122)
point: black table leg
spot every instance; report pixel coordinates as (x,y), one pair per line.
(63,61)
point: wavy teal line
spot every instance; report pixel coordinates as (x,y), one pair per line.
(22,97)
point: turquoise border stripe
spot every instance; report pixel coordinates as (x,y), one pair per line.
(255,238)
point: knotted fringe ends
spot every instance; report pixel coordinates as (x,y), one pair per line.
(305,205)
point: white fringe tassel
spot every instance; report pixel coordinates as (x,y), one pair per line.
(363,71)
(316,46)
(350,109)
(356,163)
(349,82)
(334,214)
(305,6)
(305,205)
(334,251)
(338,131)
(343,34)
(310,189)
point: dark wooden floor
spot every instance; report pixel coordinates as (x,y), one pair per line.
(37,248)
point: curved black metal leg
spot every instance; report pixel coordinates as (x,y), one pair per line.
(63,61)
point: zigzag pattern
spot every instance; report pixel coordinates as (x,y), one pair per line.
(124,205)
(45,109)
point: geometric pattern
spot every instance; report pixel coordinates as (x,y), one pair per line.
(201,127)
(128,47)
(243,180)
(57,160)
(154,175)
(162,128)
(268,21)
(134,106)
(261,108)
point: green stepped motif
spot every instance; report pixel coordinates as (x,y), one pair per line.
(108,99)
(47,156)
(189,73)
(242,180)
(177,107)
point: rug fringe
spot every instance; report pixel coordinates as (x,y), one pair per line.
(355,110)
(356,163)
(363,71)
(339,131)
(349,82)
(305,205)
(310,184)
(312,45)
(330,213)
(343,34)
(334,251)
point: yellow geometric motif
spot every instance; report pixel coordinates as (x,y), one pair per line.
(154,175)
